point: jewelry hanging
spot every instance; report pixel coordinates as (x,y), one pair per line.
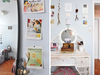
(58,13)
(76,13)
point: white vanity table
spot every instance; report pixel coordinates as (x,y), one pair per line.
(79,59)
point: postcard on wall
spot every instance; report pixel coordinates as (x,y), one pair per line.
(68,14)
(90,28)
(84,22)
(34,29)
(52,13)
(67,22)
(33,6)
(85,16)
(52,22)
(85,8)
(68,7)
(35,60)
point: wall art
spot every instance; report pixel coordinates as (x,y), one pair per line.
(67,22)
(0,38)
(52,7)
(6,0)
(84,22)
(85,16)
(52,14)
(68,7)
(90,28)
(35,60)
(52,22)
(85,8)
(33,6)
(68,14)
(34,29)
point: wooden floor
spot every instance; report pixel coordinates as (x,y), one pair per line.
(5,67)
(97,67)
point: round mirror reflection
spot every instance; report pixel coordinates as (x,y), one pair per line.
(68,36)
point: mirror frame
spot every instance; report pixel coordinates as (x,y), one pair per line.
(18,42)
(64,30)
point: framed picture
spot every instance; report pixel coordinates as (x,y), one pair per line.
(54,46)
(33,6)
(52,14)
(35,60)
(34,29)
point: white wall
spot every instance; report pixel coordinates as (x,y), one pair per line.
(11,19)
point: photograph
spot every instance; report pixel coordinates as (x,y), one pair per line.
(34,27)
(54,46)
(33,6)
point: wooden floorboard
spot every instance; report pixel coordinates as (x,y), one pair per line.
(5,67)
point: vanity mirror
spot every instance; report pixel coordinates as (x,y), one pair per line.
(9,31)
(67,35)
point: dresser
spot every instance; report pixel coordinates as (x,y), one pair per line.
(81,60)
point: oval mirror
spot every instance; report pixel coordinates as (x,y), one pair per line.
(8,36)
(68,36)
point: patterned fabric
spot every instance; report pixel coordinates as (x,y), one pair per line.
(64,71)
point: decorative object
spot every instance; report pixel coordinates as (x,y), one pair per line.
(9,27)
(4,12)
(52,14)
(54,46)
(68,7)
(22,67)
(58,13)
(68,47)
(9,47)
(0,38)
(90,28)
(85,8)
(76,13)
(6,0)
(52,7)
(85,16)
(67,22)
(33,6)
(52,22)
(34,29)
(68,14)
(84,22)
(34,61)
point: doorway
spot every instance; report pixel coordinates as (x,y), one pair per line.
(96,37)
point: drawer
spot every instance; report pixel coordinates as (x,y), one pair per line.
(82,61)
(62,61)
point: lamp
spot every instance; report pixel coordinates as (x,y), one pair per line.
(3,12)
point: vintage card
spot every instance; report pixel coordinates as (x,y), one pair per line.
(34,28)
(35,57)
(84,22)
(33,6)
(68,7)
(85,8)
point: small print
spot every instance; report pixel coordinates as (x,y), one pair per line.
(84,22)
(85,16)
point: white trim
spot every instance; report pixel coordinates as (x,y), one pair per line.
(49,37)
(93,3)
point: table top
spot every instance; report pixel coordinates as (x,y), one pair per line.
(76,53)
